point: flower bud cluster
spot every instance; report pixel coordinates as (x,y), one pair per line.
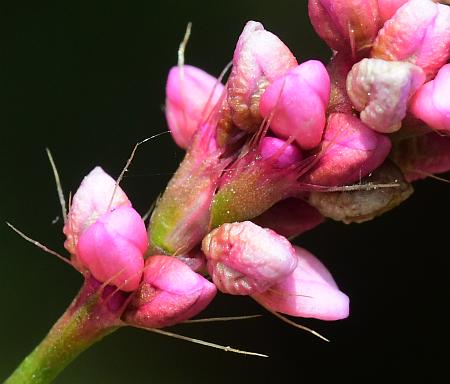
(270,154)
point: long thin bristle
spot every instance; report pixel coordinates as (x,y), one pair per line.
(202,342)
(38,244)
(62,200)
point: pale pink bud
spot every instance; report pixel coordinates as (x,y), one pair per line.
(346,25)
(431,103)
(113,248)
(350,150)
(381,90)
(290,217)
(422,156)
(296,102)
(191,95)
(310,291)
(419,32)
(283,155)
(364,205)
(259,58)
(244,258)
(90,201)
(387,8)
(170,293)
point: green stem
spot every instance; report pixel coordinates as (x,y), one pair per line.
(87,320)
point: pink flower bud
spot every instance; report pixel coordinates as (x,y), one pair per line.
(419,32)
(346,25)
(170,293)
(113,248)
(298,100)
(381,90)
(290,218)
(260,57)
(90,202)
(191,94)
(387,8)
(350,150)
(422,156)
(244,258)
(310,291)
(283,155)
(431,103)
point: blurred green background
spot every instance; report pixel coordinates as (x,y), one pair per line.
(87,81)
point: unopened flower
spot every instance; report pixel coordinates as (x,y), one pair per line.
(431,103)
(97,193)
(350,150)
(112,248)
(381,90)
(346,25)
(170,293)
(105,235)
(259,58)
(296,102)
(419,32)
(309,291)
(244,258)
(283,154)
(364,205)
(191,95)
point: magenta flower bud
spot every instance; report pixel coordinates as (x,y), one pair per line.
(359,206)
(113,248)
(91,200)
(191,95)
(259,58)
(381,90)
(419,32)
(346,25)
(431,103)
(284,155)
(350,150)
(290,218)
(296,103)
(310,291)
(244,258)
(422,156)
(387,8)
(170,293)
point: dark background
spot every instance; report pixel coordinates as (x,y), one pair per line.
(88,82)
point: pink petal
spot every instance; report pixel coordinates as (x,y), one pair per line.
(113,248)
(90,202)
(298,101)
(191,95)
(310,291)
(170,293)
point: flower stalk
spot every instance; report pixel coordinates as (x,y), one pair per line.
(93,314)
